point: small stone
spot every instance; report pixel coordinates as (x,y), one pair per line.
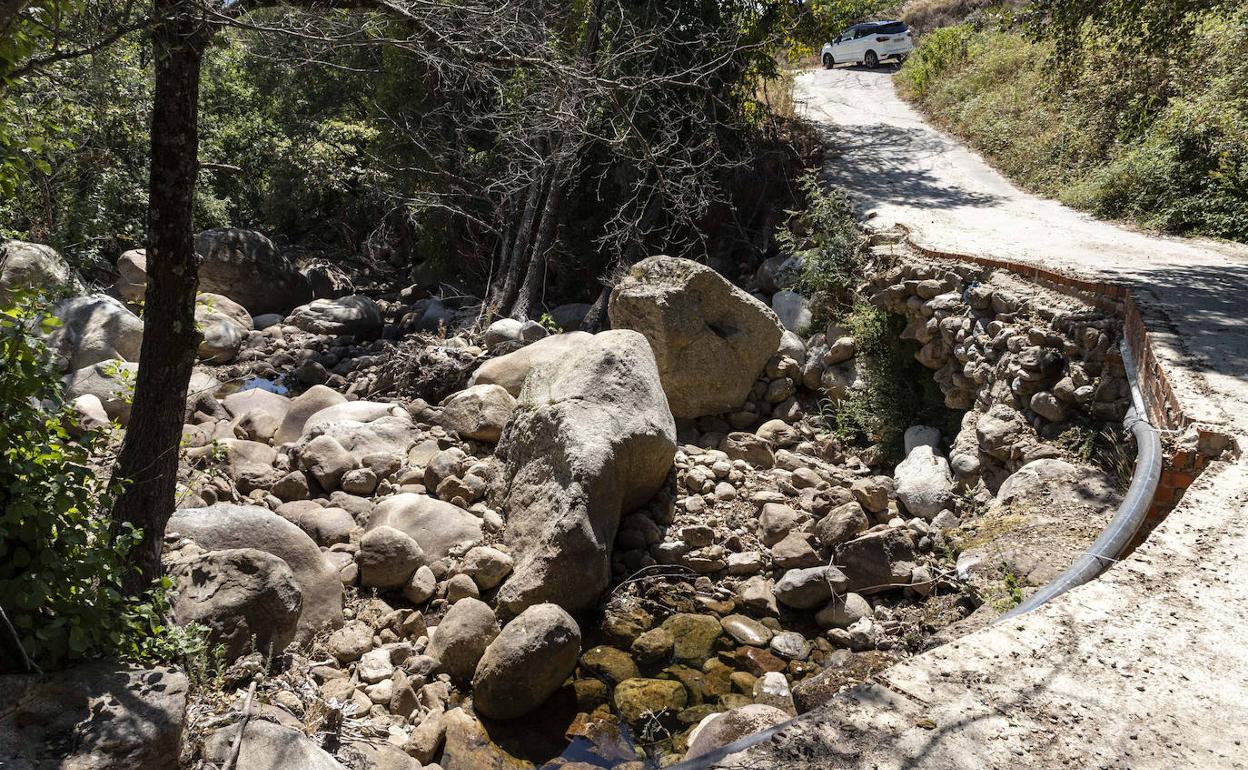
(461,587)
(351,641)
(746,630)
(653,647)
(791,645)
(609,663)
(421,587)
(772,689)
(375,666)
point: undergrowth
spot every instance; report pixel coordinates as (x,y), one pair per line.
(1122,130)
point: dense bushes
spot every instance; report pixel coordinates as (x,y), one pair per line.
(1156,135)
(59,563)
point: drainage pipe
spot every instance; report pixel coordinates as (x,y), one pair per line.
(1106,550)
(1126,523)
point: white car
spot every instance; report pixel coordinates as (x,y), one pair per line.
(869,43)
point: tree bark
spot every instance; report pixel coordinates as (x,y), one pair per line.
(149,456)
(535,274)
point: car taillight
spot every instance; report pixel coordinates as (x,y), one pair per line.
(881,39)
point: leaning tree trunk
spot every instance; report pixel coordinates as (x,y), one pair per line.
(529,297)
(149,455)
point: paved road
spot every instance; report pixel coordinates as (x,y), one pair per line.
(1145,667)
(905,171)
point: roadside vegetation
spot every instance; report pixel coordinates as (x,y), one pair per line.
(1137,114)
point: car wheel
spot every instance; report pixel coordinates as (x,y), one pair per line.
(872,61)
(827,61)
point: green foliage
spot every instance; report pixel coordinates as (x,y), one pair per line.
(811,24)
(1107,449)
(1153,133)
(825,237)
(895,392)
(60,566)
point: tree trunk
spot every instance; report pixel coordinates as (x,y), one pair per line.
(529,299)
(149,456)
(518,261)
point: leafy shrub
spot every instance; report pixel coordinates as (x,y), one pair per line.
(941,51)
(1155,134)
(896,391)
(60,565)
(824,236)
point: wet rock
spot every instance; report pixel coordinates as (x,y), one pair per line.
(636,699)
(609,663)
(758,661)
(694,635)
(468,746)
(653,647)
(746,630)
(526,662)
(711,340)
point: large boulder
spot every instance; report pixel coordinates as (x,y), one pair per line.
(459,641)
(93,329)
(711,340)
(302,407)
(591,438)
(97,716)
(222,526)
(248,599)
(719,730)
(131,284)
(357,315)
(509,371)
(257,413)
(526,663)
(245,266)
(113,381)
(267,746)
(435,525)
(35,268)
(924,482)
(479,412)
(224,325)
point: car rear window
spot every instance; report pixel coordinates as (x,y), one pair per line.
(890,28)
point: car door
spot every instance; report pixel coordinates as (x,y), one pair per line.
(844,49)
